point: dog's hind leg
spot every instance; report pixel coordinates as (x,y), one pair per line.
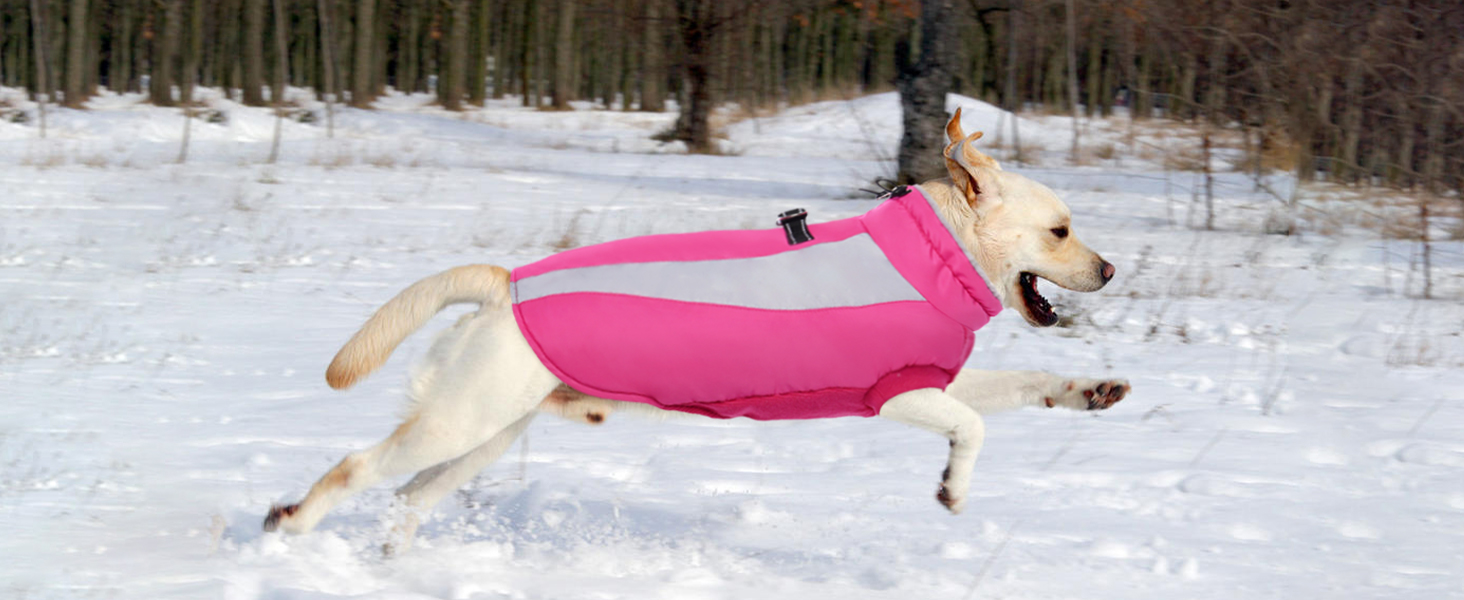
(481,380)
(429,486)
(933,410)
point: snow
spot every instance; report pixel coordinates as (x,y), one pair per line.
(1294,430)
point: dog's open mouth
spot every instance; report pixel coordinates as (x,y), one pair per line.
(1038,309)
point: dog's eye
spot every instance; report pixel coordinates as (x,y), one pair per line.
(1060,232)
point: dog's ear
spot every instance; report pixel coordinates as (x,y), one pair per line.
(954,133)
(966,165)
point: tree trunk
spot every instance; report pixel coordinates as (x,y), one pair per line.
(327,53)
(363,67)
(119,77)
(229,51)
(696,21)
(1351,123)
(500,52)
(252,82)
(477,78)
(528,58)
(409,50)
(38,36)
(1143,99)
(452,74)
(76,53)
(653,60)
(1072,72)
(282,76)
(564,67)
(923,88)
(192,51)
(305,60)
(1093,72)
(165,53)
(1014,102)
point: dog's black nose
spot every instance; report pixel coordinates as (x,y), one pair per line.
(1106,271)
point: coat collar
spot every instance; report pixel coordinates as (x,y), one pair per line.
(922,247)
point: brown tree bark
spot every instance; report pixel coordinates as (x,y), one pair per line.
(119,80)
(696,21)
(327,53)
(165,53)
(653,59)
(364,65)
(192,51)
(282,77)
(252,77)
(450,78)
(478,46)
(43,66)
(923,87)
(76,53)
(564,63)
(409,48)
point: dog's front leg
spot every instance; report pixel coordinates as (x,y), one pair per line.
(934,410)
(994,391)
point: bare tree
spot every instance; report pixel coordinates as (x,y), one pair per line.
(190,72)
(282,78)
(653,59)
(327,53)
(43,63)
(697,24)
(1013,102)
(923,87)
(165,54)
(450,87)
(362,92)
(253,47)
(564,67)
(76,53)
(1072,69)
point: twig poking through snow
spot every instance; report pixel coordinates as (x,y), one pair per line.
(1072,441)
(991,560)
(1433,409)
(216,528)
(1206,450)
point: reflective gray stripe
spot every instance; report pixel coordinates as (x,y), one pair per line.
(849,272)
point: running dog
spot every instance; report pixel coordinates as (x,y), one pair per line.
(867,316)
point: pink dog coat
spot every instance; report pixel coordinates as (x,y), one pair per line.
(742,324)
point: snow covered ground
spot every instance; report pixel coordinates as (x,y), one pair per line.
(1296,429)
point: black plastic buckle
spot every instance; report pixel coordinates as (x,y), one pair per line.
(895,192)
(793,224)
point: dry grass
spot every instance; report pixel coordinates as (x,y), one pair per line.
(12,113)
(384,160)
(1184,158)
(47,159)
(1279,152)
(1414,351)
(333,159)
(570,237)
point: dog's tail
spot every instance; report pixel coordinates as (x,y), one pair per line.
(485,285)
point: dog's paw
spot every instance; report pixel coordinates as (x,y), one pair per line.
(952,494)
(953,501)
(278,513)
(1089,394)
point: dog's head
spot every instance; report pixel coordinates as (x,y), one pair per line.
(1018,231)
